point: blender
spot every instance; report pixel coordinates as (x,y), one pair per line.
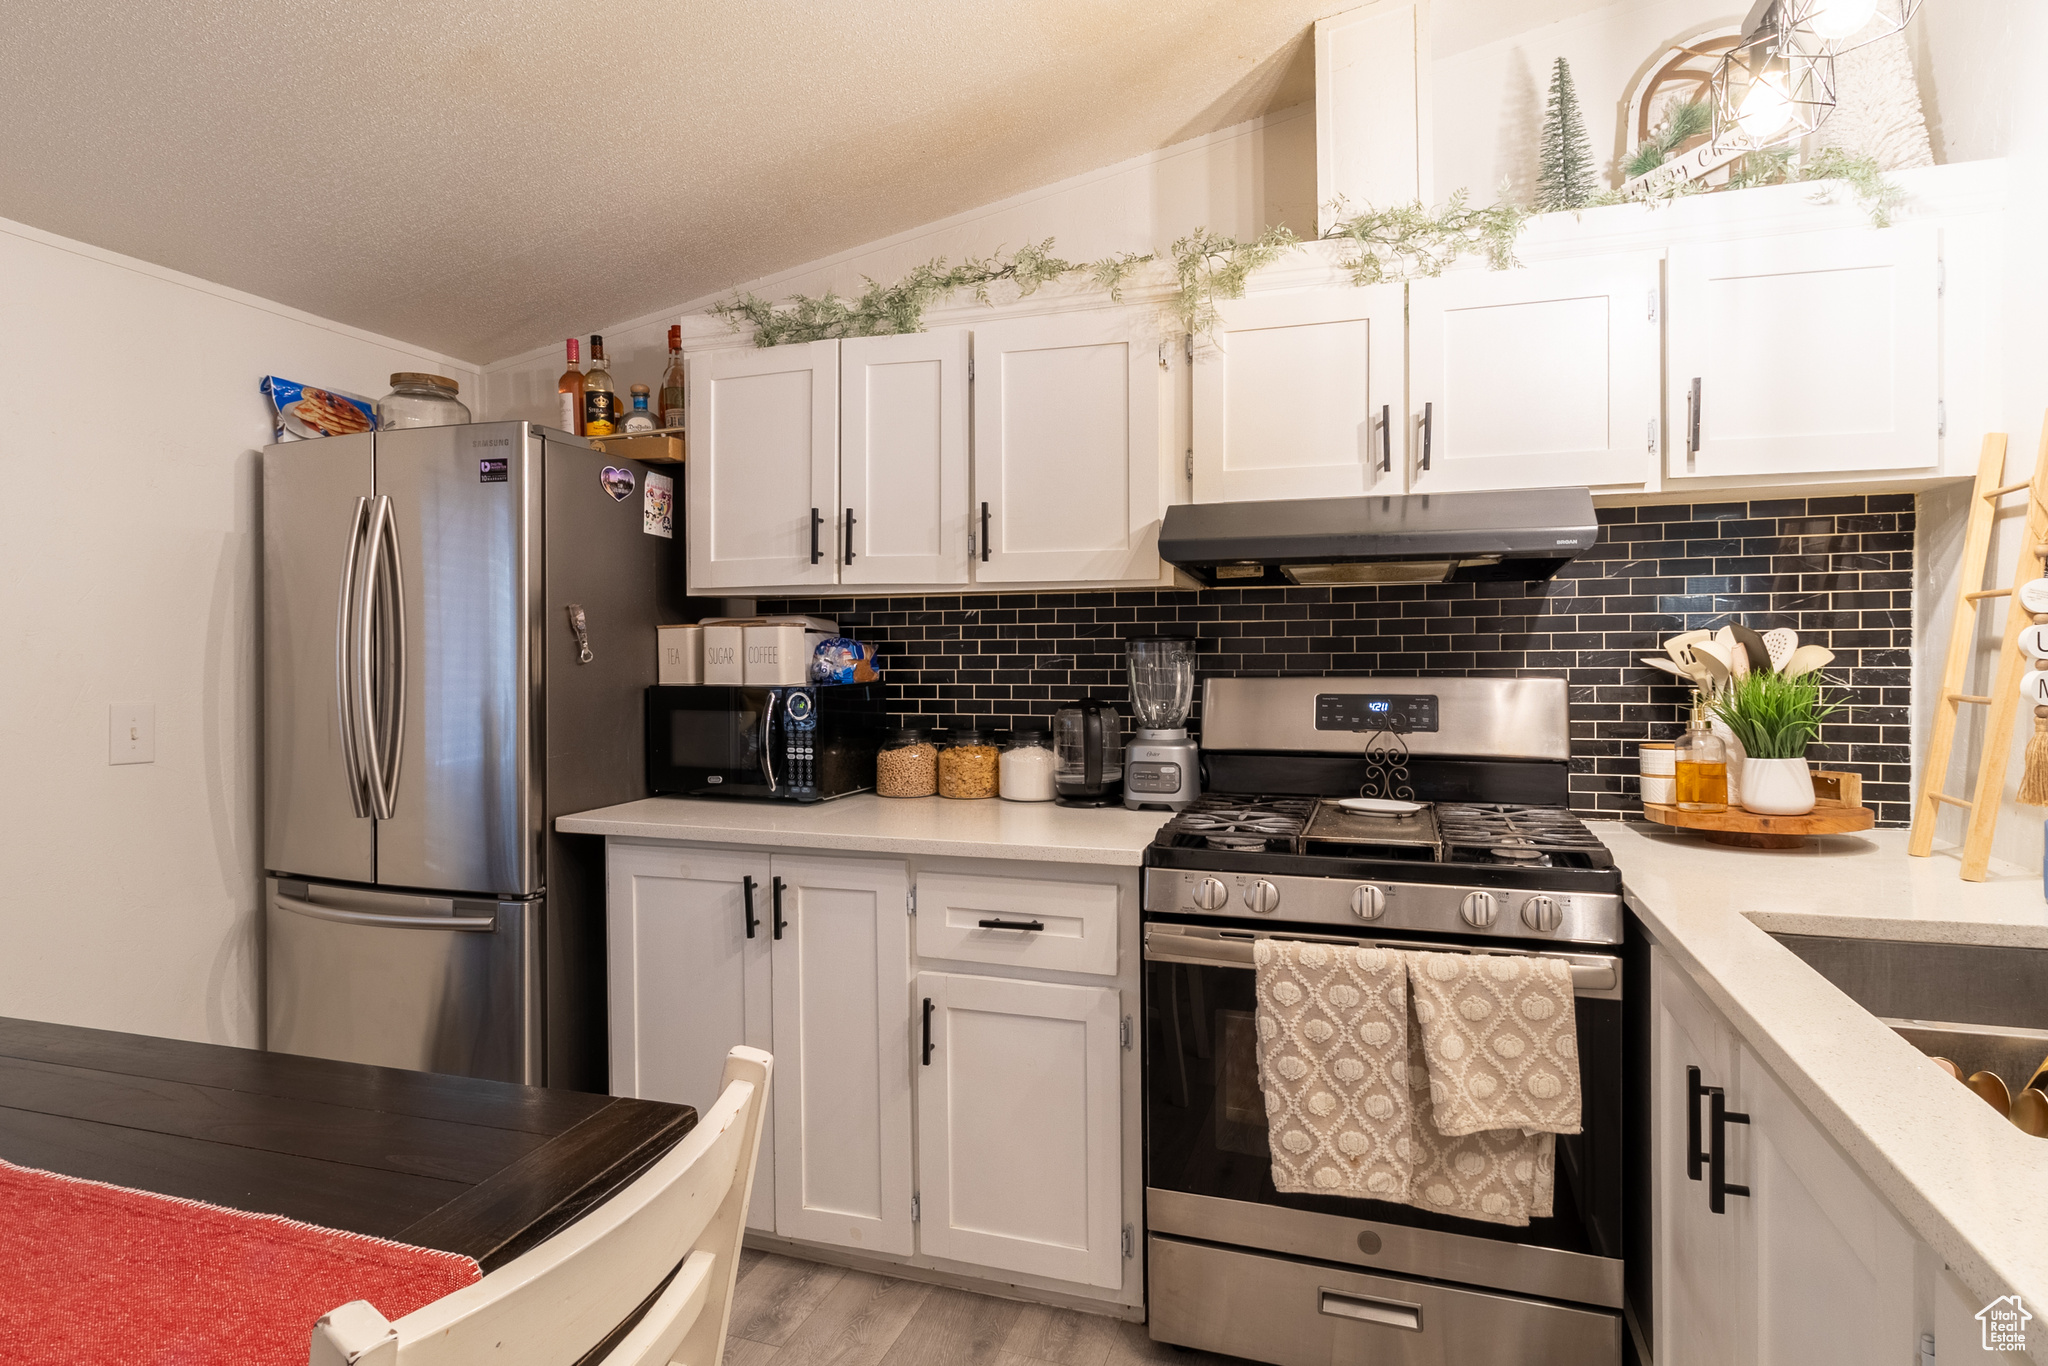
(1162,766)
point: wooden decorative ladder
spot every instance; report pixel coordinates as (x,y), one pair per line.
(2003,699)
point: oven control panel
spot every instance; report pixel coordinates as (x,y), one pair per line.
(1355,711)
(1442,908)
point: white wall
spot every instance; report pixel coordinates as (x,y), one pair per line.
(1234,181)
(130,424)
(2006,36)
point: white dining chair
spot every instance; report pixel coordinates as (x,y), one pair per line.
(672,1236)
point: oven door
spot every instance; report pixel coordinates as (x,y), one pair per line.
(710,741)
(1209,1170)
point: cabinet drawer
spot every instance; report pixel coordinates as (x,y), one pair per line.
(1076,921)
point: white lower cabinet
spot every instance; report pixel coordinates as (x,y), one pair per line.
(1008,1137)
(1020,1128)
(1808,1265)
(808,958)
(842,1035)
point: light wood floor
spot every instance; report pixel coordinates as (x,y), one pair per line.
(791,1313)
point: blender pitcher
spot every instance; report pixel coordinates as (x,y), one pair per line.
(1162,770)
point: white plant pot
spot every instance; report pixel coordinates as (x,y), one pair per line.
(1736,759)
(1777,787)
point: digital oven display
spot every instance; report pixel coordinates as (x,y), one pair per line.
(1369,711)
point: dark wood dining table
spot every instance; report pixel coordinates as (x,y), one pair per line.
(484,1168)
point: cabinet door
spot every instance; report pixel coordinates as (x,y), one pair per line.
(903,458)
(1536,378)
(842,1052)
(686,980)
(1020,1127)
(1067,457)
(1299,395)
(763,474)
(1832,1265)
(1704,1272)
(1811,352)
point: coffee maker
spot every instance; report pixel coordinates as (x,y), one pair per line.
(1162,768)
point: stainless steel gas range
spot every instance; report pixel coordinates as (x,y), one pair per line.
(1490,862)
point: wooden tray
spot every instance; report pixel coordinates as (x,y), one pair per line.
(1837,810)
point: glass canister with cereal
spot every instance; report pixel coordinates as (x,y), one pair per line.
(907,765)
(967,766)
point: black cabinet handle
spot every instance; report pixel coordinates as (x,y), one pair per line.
(1012,925)
(747,891)
(1386,438)
(1692,416)
(1695,1155)
(1718,1190)
(1428,422)
(984,533)
(927,1032)
(817,521)
(849,535)
(780,923)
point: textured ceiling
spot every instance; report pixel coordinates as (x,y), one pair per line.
(485,178)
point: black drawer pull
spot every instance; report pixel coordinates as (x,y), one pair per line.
(984,533)
(1695,1155)
(927,1031)
(1718,1190)
(1012,924)
(849,535)
(780,923)
(747,891)
(817,521)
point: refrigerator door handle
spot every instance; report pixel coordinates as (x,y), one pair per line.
(380,716)
(369,919)
(394,664)
(345,663)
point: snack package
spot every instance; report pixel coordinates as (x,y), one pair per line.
(299,411)
(840,660)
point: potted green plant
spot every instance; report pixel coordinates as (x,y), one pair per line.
(1775,716)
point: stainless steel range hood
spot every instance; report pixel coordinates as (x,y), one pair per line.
(1409,538)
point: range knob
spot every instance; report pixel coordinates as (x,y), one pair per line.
(1262,897)
(1541,914)
(1368,902)
(1479,909)
(1211,895)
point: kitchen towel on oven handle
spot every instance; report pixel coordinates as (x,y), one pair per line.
(1500,1036)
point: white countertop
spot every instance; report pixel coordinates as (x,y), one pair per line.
(989,828)
(1965,1180)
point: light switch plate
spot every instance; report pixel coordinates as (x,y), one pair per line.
(131,733)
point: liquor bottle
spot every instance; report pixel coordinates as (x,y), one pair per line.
(600,402)
(570,387)
(673,388)
(1701,761)
(638,419)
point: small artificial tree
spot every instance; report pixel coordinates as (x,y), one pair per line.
(1567,180)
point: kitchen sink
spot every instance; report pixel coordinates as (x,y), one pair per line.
(1983,1007)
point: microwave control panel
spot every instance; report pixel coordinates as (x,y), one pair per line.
(1408,713)
(799,734)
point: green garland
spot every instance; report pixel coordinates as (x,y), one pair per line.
(1384,245)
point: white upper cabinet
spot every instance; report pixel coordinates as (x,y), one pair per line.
(1299,395)
(1805,353)
(1537,377)
(903,471)
(1068,465)
(763,472)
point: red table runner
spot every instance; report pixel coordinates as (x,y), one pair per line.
(91,1273)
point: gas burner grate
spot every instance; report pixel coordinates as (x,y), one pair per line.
(1518,834)
(1223,821)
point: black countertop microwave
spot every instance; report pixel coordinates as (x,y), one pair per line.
(797,744)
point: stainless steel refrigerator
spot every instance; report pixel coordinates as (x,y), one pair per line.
(458,630)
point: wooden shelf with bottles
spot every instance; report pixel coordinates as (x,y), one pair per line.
(664,446)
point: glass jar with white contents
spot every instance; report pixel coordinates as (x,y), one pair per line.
(1026,767)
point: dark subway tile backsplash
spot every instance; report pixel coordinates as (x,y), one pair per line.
(1837,570)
